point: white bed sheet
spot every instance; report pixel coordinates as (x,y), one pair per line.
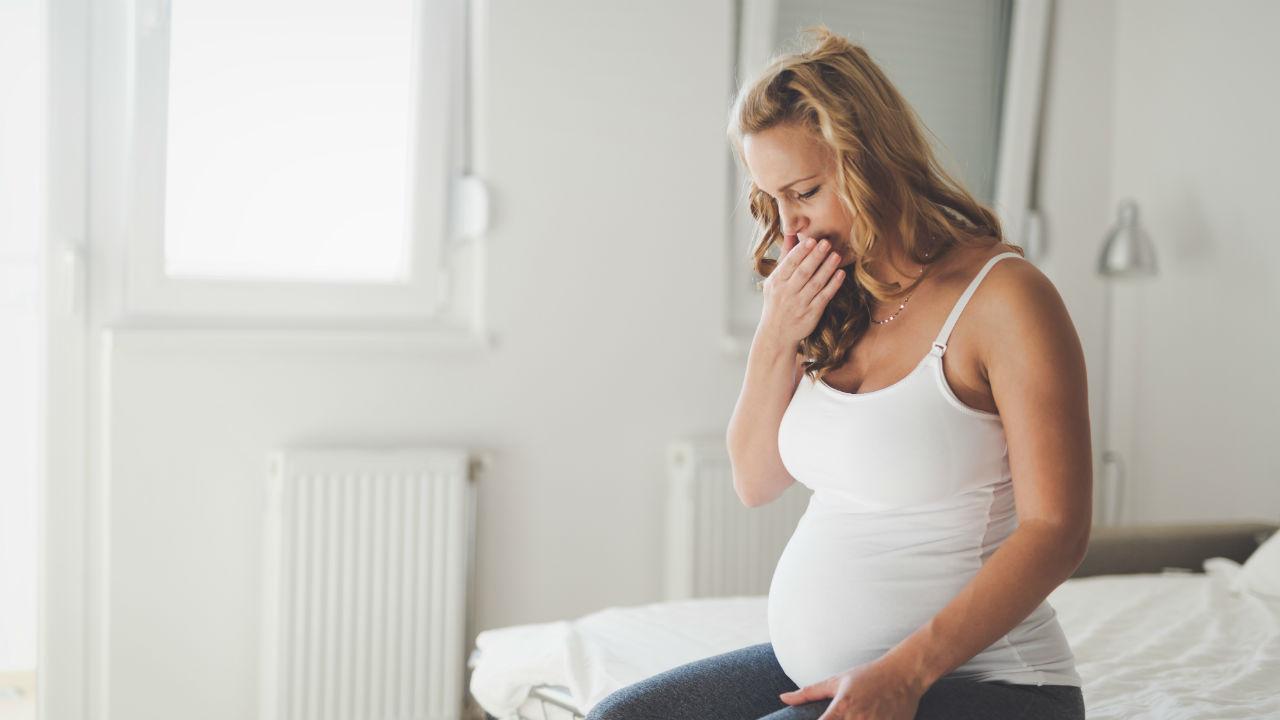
(1175,646)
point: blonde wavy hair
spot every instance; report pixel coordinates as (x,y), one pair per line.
(886,177)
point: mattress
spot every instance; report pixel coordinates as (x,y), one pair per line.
(1173,645)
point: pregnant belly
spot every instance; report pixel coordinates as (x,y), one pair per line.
(843,595)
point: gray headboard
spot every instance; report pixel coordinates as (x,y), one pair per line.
(1152,548)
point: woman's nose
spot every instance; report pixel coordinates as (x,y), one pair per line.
(791,223)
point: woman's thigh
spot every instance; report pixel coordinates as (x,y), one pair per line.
(956,699)
(736,685)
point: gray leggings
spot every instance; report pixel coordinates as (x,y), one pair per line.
(744,685)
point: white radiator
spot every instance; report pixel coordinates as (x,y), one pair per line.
(366,584)
(716,546)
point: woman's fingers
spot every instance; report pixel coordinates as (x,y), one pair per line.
(810,264)
(821,275)
(793,251)
(819,301)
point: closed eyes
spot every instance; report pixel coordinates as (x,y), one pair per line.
(809,194)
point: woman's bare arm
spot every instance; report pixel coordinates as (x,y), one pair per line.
(795,294)
(773,372)
(1035,363)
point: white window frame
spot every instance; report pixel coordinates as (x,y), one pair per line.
(139,61)
(1014,202)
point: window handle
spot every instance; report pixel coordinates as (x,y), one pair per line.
(73,272)
(470,208)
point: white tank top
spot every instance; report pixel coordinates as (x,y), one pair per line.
(911,494)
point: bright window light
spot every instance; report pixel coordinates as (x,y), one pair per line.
(290,140)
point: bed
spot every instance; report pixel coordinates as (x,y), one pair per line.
(1175,621)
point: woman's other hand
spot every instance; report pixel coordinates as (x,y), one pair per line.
(873,691)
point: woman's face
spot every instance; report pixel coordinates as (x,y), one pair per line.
(797,171)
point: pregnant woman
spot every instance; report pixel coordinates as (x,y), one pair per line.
(927,383)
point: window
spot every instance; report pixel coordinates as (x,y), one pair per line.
(291,160)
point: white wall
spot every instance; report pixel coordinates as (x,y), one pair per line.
(603,139)
(21,354)
(1196,113)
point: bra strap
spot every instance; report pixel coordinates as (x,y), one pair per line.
(940,344)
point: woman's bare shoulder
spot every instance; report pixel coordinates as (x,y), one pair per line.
(1013,279)
(1014,298)
(962,263)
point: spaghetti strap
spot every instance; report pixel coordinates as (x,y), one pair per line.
(940,343)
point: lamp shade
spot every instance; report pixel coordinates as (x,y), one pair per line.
(1128,251)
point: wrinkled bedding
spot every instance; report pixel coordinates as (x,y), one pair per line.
(1175,646)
